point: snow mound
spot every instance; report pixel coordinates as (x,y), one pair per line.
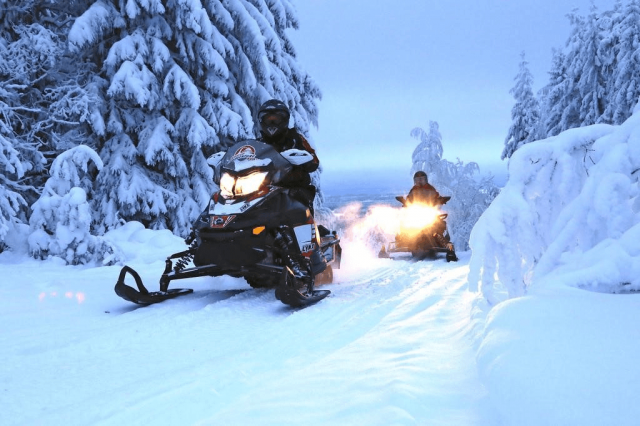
(142,245)
(567,215)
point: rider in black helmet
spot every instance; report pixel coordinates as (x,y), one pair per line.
(273,117)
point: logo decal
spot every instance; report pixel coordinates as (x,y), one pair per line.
(307,248)
(245,152)
(220,221)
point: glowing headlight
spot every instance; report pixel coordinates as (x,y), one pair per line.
(226,185)
(418,217)
(231,187)
(246,185)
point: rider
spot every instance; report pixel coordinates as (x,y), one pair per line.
(273,117)
(422,191)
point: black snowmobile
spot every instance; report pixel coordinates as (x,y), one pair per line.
(423,231)
(254,229)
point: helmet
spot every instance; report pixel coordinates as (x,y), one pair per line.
(420,178)
(273,117)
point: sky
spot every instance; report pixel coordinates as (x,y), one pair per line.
(385,68)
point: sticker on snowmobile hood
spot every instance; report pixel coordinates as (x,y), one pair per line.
(246,152)
(245,158)
(220,221)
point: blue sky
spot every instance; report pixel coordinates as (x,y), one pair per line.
(387,67)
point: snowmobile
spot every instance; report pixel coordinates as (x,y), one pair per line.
(423,231)
(252,228)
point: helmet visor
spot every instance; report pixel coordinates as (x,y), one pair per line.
(272,118)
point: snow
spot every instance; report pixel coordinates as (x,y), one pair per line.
(391,345)
(397,342)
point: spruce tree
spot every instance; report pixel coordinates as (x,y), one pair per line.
(44,107)
(608,53)
(625,88)
(590,72)
(184,80)
(553,93)
(428,154)
(525,113)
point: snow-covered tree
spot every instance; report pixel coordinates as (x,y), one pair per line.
(525,113)
(591,74)
(43,98)
(625,89)
(608,50)
(184,79)
(61,221)
(11,202)
(594,80)
(470,193)
(553,93)
(428,154)
(569,213)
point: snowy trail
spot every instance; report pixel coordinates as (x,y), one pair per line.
(391,345)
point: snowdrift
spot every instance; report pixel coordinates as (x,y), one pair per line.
(551,256)
(567,215)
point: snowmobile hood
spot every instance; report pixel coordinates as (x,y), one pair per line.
(251,155)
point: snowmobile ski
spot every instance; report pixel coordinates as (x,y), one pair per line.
(292,297)
(288,294)
(142,296)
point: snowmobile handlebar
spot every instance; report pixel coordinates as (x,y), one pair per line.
(440,201)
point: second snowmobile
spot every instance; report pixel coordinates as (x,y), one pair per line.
(252,228)
(423,231)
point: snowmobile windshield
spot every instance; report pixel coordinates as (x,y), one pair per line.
(248,166)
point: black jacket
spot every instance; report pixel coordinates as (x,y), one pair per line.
(292,139)
(423,193)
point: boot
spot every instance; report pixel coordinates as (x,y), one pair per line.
(451,253)
(286,244)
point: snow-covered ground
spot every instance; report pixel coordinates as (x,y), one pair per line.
(398,342)
(393,344)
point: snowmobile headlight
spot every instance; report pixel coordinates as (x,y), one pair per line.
(419,216)
(226,185)
(249,184)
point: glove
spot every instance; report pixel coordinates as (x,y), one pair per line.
(297,156)
(215,159)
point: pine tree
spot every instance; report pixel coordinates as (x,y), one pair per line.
(428,154)
(564,108)
(608,52)
(11,171)
(525,113)
(184,78)
(553,93)
(61,221)
(625,88)
(590,72)
(44,109)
